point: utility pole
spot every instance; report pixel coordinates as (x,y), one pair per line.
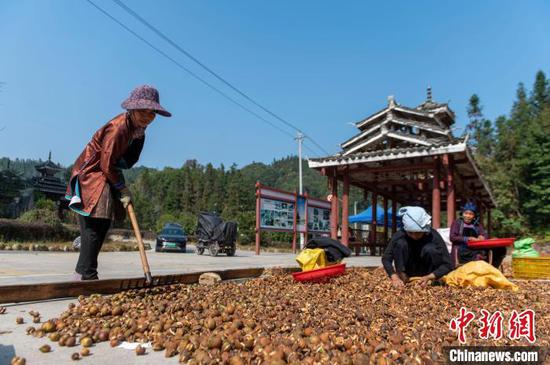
(300,139)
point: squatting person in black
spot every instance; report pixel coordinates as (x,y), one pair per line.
(417,250)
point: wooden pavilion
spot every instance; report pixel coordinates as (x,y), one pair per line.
(405,156)
(49,184)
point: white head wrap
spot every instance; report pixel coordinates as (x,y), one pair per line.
(415,219)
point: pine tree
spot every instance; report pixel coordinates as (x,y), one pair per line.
(535,163)
(233,200)
(474,112)
(503,171)
(187,198)
(173,183)
(521,116)
(208,193)
(540,96)
(480,130)
(11,185)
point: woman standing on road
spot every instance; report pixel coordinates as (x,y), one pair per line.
(97,190)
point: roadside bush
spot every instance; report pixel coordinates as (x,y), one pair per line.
(43,216)
(21,231)
(46,204)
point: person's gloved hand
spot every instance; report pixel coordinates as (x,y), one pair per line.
(125,197)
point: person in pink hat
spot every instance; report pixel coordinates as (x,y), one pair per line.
(97,190)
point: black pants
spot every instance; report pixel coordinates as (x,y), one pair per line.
(417,263)
(92,235)
(466,254)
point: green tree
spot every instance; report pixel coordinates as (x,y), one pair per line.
(535,165)
(479,128)
(11,185)
(540,96)
(235,200)
(521,116)
(519,168)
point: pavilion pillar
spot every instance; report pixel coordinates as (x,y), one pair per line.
(345,209)
(334,207)
(393,215)
(436,197)
(451,202)
(365,200)
(385,200)
(374,213)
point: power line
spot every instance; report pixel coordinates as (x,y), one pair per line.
(193,74)
(213,73)
(189,71)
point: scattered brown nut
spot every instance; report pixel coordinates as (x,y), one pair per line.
(47,327)
(33,313)
(70,342)
(86,341)
(54,336)
(140,350)
(17,360)
(357,318)
(85,351)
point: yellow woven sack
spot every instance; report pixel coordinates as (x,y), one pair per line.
(312,258)
(481,274)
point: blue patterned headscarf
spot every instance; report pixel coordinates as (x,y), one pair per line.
(471,207)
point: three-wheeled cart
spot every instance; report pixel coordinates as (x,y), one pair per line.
(215,235)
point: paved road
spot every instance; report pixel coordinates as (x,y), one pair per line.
(23,267)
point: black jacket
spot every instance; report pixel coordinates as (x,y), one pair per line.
(334,250)
(440,260)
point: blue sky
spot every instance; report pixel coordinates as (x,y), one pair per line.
(319,64)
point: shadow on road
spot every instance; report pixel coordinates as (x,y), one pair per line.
(6,353)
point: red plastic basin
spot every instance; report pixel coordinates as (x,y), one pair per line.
(320,274)
(493,242)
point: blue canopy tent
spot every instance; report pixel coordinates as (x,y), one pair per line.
(366,216)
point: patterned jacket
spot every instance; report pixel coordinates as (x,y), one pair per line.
(112,148)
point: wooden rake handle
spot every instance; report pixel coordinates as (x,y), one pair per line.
(137,232)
